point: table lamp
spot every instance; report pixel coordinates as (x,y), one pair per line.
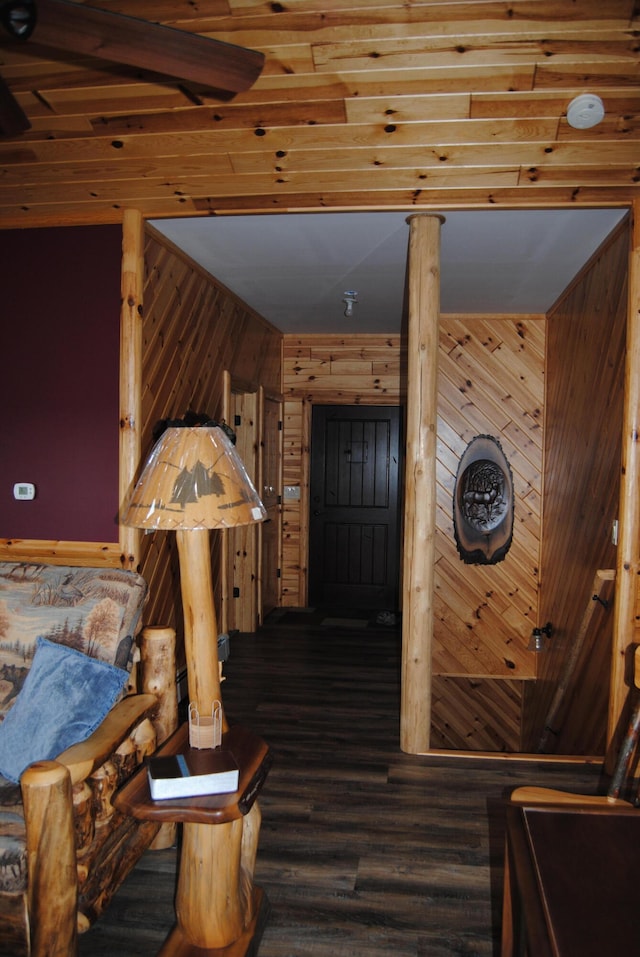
(194,480)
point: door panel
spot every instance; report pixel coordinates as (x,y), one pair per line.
(353,527)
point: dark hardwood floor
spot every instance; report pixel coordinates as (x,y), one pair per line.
(364,850)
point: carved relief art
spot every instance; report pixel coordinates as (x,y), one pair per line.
(483,504)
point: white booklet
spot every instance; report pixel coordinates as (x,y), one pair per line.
(206,771)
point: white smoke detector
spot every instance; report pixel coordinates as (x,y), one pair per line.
(585,111)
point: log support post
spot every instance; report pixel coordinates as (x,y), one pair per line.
(158,677)
(625,623)
(132,284)
(210,860)
(420,481)
(219,910)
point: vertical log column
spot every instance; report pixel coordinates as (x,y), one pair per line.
(130,371)
(51,859)
(420,481)
(158,646)
(625,622)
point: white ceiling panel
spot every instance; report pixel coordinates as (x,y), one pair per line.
(295,268)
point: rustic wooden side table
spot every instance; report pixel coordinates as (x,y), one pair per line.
(219,911)
(571,881)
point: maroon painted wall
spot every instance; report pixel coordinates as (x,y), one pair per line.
(60,377)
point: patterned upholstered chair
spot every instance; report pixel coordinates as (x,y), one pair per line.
(73,727)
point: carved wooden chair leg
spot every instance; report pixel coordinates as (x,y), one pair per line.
(53,879)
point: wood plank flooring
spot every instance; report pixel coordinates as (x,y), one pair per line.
(364,850)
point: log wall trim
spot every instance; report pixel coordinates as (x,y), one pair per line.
(60,552)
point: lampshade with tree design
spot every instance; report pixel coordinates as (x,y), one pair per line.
(193,481)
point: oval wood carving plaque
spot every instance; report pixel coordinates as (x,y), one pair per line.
(483,504)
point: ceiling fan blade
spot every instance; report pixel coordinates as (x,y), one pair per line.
(151,46)
(12,118)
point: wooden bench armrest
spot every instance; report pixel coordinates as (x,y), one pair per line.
(84,758)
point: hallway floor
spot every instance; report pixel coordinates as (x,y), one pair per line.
(364,851)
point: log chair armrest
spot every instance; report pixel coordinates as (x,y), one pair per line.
(87,756)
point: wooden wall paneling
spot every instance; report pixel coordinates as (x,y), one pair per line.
(339,371)
(475,714)
(626,621)
(194,330)
(567,727)
(491,375)
(498,391)
(584,397)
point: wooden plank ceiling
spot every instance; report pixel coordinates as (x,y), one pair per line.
(361,104)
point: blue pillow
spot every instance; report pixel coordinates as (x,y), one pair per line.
(65,697)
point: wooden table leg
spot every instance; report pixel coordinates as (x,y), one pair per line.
(176,945)
(507,942)
(219,912)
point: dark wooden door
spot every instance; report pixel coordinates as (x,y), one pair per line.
(354,506)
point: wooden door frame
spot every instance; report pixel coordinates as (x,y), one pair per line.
(247,616)
(264,397)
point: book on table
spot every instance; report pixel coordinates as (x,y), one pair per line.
(194,773)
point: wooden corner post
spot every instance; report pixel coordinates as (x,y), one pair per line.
(132,280)
(420,481)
